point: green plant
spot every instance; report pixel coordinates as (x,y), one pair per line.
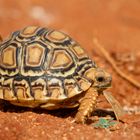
(104,123)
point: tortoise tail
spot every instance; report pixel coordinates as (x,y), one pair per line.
(1,39)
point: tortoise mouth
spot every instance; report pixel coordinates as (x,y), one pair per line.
(102,85)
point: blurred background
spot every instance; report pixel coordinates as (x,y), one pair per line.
(116,23)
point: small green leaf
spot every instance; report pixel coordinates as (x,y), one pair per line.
(103,123)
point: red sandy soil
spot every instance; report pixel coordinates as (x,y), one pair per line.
(116,24)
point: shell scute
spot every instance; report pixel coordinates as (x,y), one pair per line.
(39,89)
(8,93)
(79,52)
(29,31)
(34,58)
(56,36)
(56,89)
(9,59)
(60,59)
(22,90)
(34,55)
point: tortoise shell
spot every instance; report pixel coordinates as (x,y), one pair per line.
(41,67)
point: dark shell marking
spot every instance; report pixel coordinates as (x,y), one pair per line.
(40,65)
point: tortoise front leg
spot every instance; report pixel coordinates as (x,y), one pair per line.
(87,105)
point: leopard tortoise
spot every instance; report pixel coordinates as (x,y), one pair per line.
(41,67)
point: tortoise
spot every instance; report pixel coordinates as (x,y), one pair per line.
(41,67)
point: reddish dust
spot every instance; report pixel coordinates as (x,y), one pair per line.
(116,24)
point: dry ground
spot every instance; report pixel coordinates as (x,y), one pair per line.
(117,25)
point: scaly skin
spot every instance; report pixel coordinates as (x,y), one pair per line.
(87,105)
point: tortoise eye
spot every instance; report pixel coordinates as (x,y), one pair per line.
(100,78)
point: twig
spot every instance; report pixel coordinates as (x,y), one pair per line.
(134,109)
(113,64)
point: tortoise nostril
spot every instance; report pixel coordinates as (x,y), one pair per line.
(100,79)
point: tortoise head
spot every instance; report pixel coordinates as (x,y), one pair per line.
(102,79)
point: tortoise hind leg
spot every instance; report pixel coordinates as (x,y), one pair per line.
(87,105)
